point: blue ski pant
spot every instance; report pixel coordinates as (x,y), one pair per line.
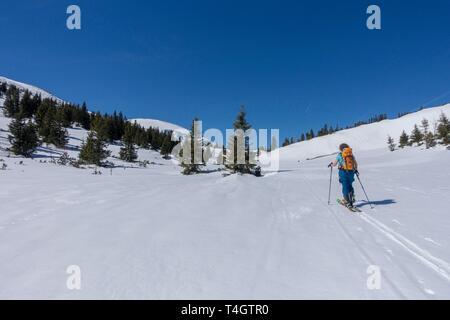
(346,178)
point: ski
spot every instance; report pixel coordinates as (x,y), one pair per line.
(352,209)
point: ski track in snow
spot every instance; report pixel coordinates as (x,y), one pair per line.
(440,266)
(437,265)
(363,252)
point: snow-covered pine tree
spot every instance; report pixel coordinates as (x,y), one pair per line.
(429,140)
(443,129)
(391,143)
(404,139)
(23,137)
(425,126)
(128,151)
(233,156)
(416,135)
(93,150)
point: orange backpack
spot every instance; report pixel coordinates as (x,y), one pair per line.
(349,160)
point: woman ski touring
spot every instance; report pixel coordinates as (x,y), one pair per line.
(348,167)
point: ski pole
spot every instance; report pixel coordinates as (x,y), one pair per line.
(364,190)
(331,178)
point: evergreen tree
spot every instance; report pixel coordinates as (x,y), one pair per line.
(128,151)
(141,137)
(430,140)
(155,138)
(404,139)
(425,126)
(233,162)
(3,88)
(286,142)
(302,137)
(82,117)
(26,105)
(323,131)
(65,115)
(241,121)
(42,111)
(416,135)
(35,103)
(93,150)
(443,129)
(12,101)
(307,136)
(166,147)
(391,143)
(310,135)
(117,126)
(51,128)
(99,124)
(23,138)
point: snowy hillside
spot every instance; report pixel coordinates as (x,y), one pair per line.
(46,153)
(152,233)
(34,90)
(367,137)
(161,125)
(76,135)
(146,123)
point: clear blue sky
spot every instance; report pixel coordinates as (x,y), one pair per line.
(295,65)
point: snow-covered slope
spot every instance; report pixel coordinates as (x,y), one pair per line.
(155,234)
(34,90)
(366,137)
(161,125)
(177,131)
